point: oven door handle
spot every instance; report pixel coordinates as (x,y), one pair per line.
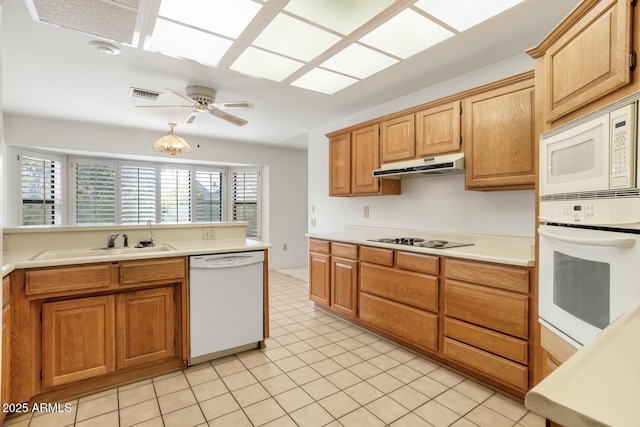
(615,242)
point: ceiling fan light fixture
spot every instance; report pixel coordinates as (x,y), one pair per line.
(171,144)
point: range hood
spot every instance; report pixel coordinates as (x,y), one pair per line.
(445,164)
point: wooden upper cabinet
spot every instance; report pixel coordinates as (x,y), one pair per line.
(438,129)
(499,137)
(340,165)
(586,57)
(397,139)
(364,159)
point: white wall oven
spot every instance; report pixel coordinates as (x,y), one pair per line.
(589,262)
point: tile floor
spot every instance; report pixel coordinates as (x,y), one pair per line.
(316,370)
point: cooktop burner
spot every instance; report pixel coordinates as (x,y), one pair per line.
(417,241)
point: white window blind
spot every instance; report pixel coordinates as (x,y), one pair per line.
(208,196)
(41,188)
(245,193)
(175,195)
(137,194)
(95,189)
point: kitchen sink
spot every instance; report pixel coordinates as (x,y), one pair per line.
(84,253)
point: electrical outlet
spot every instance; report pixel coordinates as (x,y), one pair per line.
(313,208)
(365,212)
(313,222)
(5,243)
(209,233)
(285,247)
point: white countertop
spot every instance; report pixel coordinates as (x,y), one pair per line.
(597,386)
(23,259)
(492,248)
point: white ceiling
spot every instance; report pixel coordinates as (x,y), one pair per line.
(53,72)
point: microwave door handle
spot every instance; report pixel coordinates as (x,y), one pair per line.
(615,242)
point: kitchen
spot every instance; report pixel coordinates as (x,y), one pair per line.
(442,202)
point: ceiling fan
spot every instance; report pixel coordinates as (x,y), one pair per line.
(202,99)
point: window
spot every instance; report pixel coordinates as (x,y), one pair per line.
(245,193)
(137,194)
(95,192)
(41,189)
(175,193)
(208,196)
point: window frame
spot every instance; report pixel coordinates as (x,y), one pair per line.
(36,154)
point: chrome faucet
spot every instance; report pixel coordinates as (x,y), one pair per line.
(111,240)
(152,241)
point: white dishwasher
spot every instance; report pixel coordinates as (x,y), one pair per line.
(226,304)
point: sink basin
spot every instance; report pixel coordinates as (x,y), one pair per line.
(84,253)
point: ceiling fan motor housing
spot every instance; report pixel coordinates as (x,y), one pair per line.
(201,94)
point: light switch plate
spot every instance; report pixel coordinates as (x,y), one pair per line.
(209,233)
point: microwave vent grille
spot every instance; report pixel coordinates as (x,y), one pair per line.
(603,194)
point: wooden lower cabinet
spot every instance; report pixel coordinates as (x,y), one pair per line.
(77,340)
(344,286)
(319,272)
(5,390)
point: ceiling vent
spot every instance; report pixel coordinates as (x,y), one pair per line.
(151,95)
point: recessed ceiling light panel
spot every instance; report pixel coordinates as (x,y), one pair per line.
(406,34)
(256,62)
(324,81)
(463,14)
(359,61)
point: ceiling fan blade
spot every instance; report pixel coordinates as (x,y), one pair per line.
(228,117)
(183,95)
(233,104)
(192,117)
(163,106)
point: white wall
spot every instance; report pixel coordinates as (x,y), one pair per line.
(285,170)
(434,202)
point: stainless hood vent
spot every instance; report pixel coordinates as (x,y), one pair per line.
(448,163)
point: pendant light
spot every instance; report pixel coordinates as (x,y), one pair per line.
(171,144)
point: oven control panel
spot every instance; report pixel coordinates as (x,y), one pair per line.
(620,212)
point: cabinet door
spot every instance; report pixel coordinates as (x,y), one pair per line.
(590,60)
(340,165)
(344,286)
(438,130)
(499,138)
(319,275)
(145,326)
(397,139)
(6,355)
(364,159)
(77,340)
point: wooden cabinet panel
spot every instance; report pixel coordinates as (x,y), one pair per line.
(394,318)
(499,137)
(494,309)
(152,270)
(319,246)
(6,296)
(145,327)
(77,339)
(499,276)
(557,347)
(319,276)
(590,60)
(503,345)
(364,159)
(417,262)
(397,139)
(340,165)
(50,280)
(5,390)
(438,129)
(376,255)
(344,285)
(344,250)
(506,371)
(409,288)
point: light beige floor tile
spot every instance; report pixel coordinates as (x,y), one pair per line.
(402,355)
(263,412)
(239,380)
(171,385)
(299,347)
(277,353)
(326,367)
(154,422)
(339,404)
(352,331)
(209,389)
(422,365)
(202,375)
(53,419)
(18,419)
(285,421)
(436,414)
(365,352)
(429,387)
(303,375)
(331,350)
(306,334)
(473,390)
(458,403)
(289,363)
(320,388)
(367,338)
(293,399)
(190,416)
(360,417)
(110,419)
(317,342)
(532,420)
(234,419)
(363,393)
(506,406)
(383,346)
(136,395)
(385,382)
(268,370)
(177,400)
(347,359)
(411,420)
(134,385)
(138,413)
(446,377)
(219,406)
(463,422)
(251,394)
(409,397)
(365,370)
(312,415)
(93,408)
(287,339)
(295,327)
(485,417)
(229,367)
(404,373)
(336,336)
(343,379)
(167,375)
(350,344)
(387,409)
(278,384)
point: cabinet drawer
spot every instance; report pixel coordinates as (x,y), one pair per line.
(5,291)
(344,250)
(151,270)
(319,246)
(416,262)
(508,278)
(410,288)
(394,318)
(498,310)
(376,255)
(50,280)
(504,370)
(502,345)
